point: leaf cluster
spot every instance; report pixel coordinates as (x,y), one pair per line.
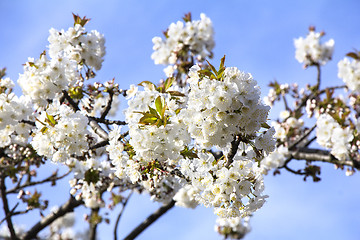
(212,73)
(155,116)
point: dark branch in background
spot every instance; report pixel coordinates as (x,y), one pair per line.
(6,208)
(119,216)
(11,213)
(51,178)
(303,137)
(332,88)
(106,121)
(108,105)
(234,147)
(152,218)
(28,122)
(318,79)
(71,101)
(67,207)
(99,145)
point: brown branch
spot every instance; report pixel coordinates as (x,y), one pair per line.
(119,216)
(51,178)
(71,101)
(234,147)
(11,213)
(6,209)
(99,145)
(306,134)
(318,78)
(107,121)
(148,221)
(108,105)
(319,155)
(93,223)
(67,207)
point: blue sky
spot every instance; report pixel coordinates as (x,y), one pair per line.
(257,37)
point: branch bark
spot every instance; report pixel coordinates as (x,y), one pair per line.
(318,155)
(69,206)
(6,209)
(152,218)
(120,214)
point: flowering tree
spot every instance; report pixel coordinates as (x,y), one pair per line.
(200,136)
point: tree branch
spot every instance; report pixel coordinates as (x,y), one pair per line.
(119,216)
(93,223)
(69,206)
(152,218)
(318,155)
(6,209)
(108,105)
(51,178)
(106,121)
(234,147)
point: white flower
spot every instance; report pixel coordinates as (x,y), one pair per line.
(309,50)
(349,72)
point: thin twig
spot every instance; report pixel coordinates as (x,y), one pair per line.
(120,214)
(71,101)
(11,213)
(108,105)
(107,121)
(148,221)
(306,134)
(51,178)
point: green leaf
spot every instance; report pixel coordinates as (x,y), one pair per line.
(153,112)
(31,64)
(222,63)
(353,55)
(189,153)
(79,20)
(168,83)
(148,119)
(43,130)
(146,83)
(176,94)
(92,176)
(50,119)
(212,68)
(265,125)
(159,104)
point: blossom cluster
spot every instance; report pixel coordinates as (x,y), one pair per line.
(234,228)
(61,134)
(310,51)
(234,191)
(44,79)
(330,134)
(14,111)
(349,72)
(228,107)
(194,36)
